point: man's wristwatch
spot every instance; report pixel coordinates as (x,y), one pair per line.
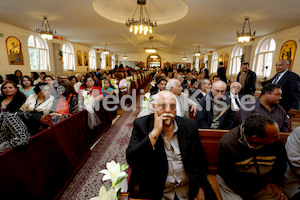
(153,136)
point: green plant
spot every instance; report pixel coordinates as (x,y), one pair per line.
(60,53)
(242,58)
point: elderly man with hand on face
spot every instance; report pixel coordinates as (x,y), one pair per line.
(166,155)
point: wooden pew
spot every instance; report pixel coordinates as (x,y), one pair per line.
(43,168)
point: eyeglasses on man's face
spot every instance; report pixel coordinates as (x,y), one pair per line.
(164,106)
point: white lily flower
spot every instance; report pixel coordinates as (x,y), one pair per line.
(147,95)
(153,83)
(145,104)
(113,172)
(111,194)
(84,93)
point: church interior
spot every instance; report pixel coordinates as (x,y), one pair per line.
(63,162)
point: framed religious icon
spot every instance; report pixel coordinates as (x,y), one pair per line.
(288,51)
(79,58)
(226,58)
(221,58)
(14,51)
(86,59)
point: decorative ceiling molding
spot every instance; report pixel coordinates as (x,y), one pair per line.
(162,11)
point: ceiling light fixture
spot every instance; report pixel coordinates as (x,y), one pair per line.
(144,23)
(105,51)
(198,51)
(184,57)
(46,32)
(125,57)
(245,36)
(150,46)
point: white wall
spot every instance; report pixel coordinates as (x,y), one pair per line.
(23,35)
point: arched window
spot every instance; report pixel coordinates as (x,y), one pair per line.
(236,60)
(214,64)
(103,61)
(68,56)
(113,61)
(92,56)
(38,53)
(197,64)
(264,57)
(206,60)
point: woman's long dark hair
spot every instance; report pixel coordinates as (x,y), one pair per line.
(69,89)
(18,100)
(89,75)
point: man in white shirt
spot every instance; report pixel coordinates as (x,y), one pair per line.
(234,96)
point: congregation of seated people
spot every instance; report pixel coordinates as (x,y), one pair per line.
(39,101)
(211,101)
(234,104)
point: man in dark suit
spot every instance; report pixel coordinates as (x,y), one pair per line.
(166,155)
(216,113)
(290,86)
(222,72)
(204,71)
(247,78)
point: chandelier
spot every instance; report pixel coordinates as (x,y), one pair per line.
(125,57)
(150,46)
(184,57)
(198,51)
(245,36)
(143,24)
(105,51)
(46,32)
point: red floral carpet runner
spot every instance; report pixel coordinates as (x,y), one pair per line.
(112,146)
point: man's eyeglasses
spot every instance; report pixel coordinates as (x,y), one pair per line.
(164,106)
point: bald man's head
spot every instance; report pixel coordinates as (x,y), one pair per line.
(218,88)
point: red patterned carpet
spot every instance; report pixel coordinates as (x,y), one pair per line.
(112,146)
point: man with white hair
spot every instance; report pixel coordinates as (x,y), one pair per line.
(166,155)
(183,102)
(234,95)
(181,79)
(216,111)
(78,83)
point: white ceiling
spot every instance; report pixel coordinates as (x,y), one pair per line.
(212,24)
